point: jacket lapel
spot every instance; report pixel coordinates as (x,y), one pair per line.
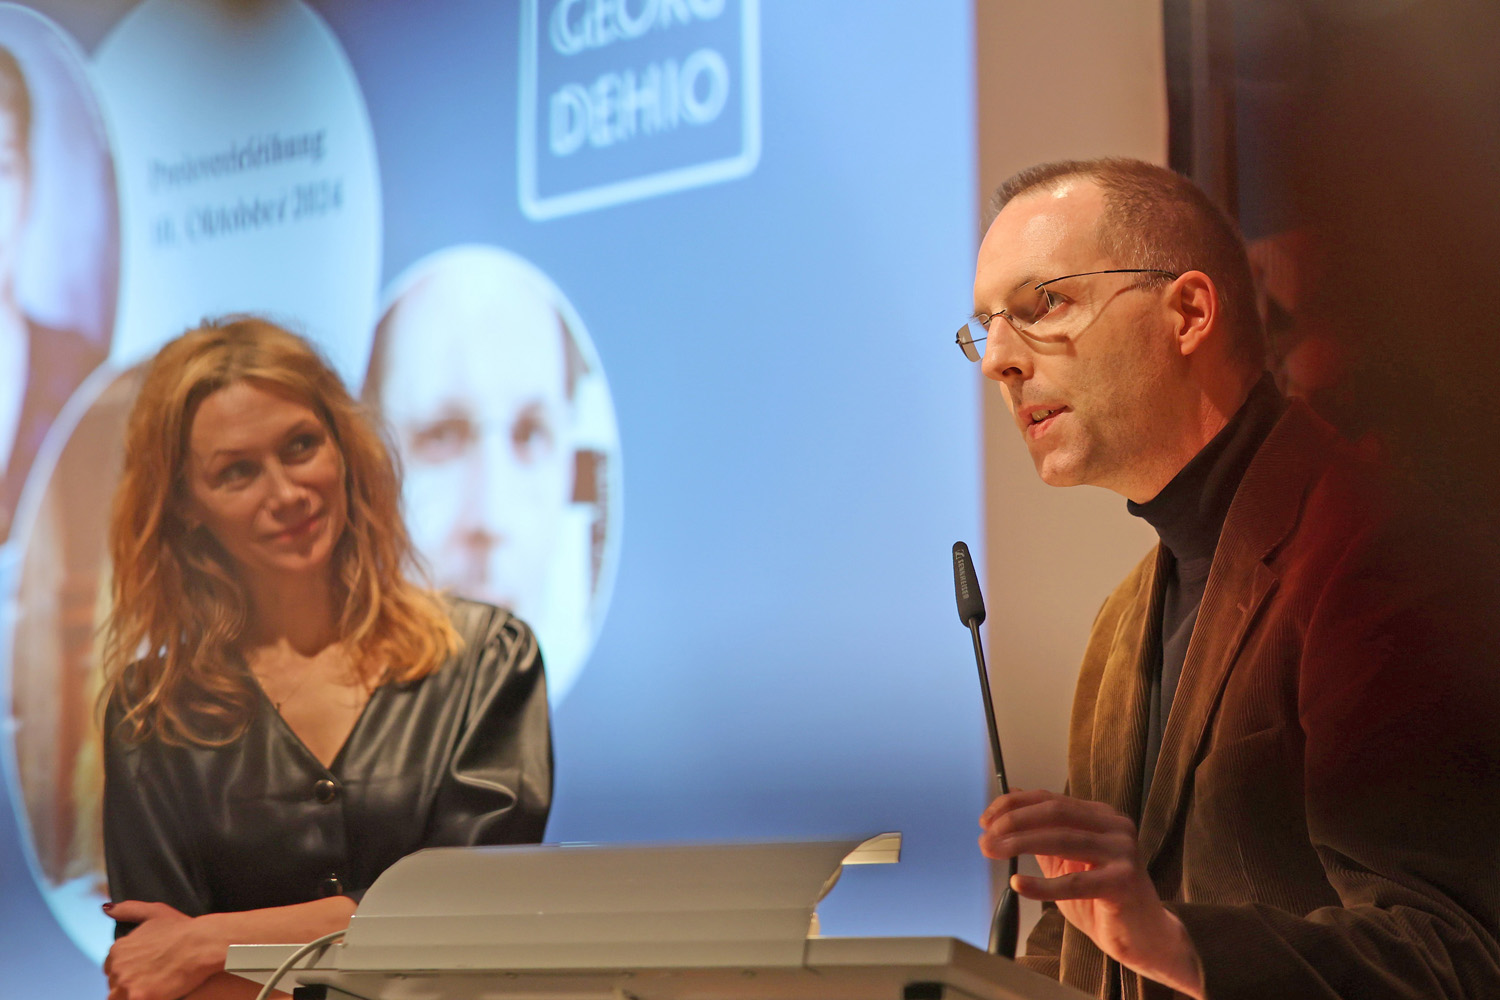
(1116,735)
(1264,510)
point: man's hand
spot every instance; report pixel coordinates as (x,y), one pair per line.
(1094,872)
(164,958)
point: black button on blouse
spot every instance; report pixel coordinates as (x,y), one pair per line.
(461,757)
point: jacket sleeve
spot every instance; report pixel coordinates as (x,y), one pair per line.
(498,789)
(1398,700)
(148,850)
(1044,944)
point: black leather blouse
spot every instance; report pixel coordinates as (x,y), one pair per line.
(461,757)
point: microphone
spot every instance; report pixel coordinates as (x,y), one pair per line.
(1005,928)
(966,587)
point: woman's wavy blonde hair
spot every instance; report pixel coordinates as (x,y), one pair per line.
(171,652)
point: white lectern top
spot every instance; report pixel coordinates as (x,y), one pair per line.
(647,922)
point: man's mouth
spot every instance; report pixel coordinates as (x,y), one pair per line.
(1039,420)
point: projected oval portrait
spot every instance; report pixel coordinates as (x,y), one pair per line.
(59,238)
(62,598)
(501,413)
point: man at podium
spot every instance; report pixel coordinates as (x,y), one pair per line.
(1284,768)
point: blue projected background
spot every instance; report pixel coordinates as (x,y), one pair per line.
(722,297)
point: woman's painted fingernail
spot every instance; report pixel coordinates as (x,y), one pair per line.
(108,907)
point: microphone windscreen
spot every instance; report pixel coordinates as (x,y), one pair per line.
(966,586)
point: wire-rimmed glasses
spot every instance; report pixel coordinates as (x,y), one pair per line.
(1025,315)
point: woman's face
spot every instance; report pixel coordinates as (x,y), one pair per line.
(266,479)
(14,183)
(475,389)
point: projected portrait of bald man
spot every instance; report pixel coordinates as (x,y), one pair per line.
(485,386)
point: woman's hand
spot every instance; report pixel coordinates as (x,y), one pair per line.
(165,957)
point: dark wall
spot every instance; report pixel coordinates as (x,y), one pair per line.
(1365,137)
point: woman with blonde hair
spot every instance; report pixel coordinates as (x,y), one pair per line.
(287,713)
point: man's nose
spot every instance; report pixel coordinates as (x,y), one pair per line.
(1006,358)
(488,490)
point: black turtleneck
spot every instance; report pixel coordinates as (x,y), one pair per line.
(1188,515)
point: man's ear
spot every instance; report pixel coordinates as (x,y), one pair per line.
(1194,303)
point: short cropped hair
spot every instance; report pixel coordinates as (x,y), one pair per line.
(1156,218)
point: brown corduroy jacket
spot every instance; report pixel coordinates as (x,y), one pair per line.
(1324,816)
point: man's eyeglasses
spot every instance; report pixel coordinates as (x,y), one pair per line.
(1031,309)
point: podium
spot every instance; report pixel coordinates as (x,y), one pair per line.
(647,922)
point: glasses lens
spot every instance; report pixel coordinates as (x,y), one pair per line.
(970,336)
(1032,306)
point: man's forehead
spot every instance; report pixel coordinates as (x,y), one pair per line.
(1059,219)
(1040,231)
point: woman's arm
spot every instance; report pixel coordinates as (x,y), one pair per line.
(170,954)
(228,986)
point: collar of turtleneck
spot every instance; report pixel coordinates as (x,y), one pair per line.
(1189,512)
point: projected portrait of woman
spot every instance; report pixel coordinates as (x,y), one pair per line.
(58,240)
(59,269)
(503,421)
(62,601)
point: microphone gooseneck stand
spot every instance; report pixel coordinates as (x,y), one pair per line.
(1005,928)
